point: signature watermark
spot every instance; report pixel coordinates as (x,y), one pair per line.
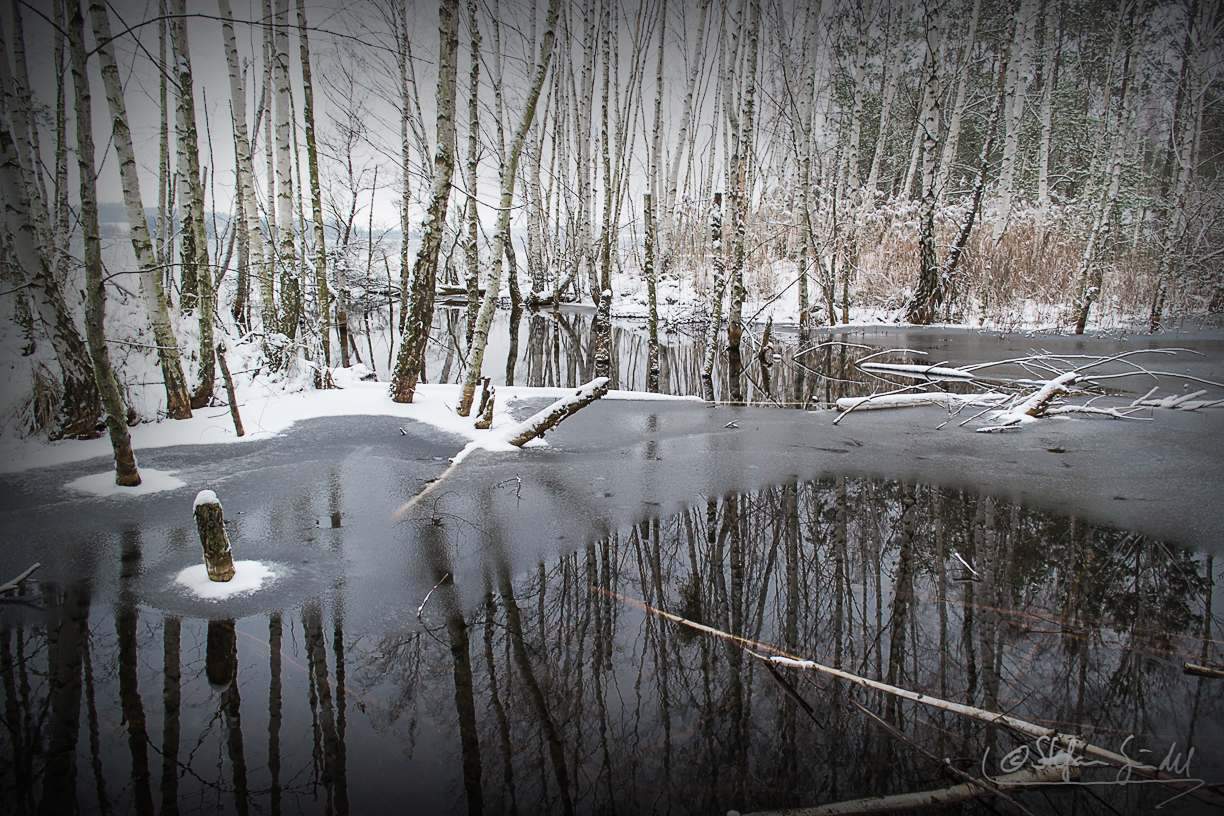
(1067,754)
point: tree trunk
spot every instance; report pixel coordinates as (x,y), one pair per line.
(1089,275)
(287,268)
(197,274)
(126,474)
(720,283)
(1049,69)
(210,522)
(501,238)
(316,198)
(952,139)
(31,246)
(1019,70)
(418,312)
(178,399)
(930,293)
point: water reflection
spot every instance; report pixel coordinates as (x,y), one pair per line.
(550,695)
(558,349)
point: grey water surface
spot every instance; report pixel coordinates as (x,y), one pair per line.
(489,651)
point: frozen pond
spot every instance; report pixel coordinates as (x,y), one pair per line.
(1063,573)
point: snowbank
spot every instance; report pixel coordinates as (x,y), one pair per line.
(103,484)
(269,409)
(249,576)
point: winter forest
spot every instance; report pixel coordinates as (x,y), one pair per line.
(320,174)
(340,269)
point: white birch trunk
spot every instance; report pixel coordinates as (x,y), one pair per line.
(178,400)
(952,140)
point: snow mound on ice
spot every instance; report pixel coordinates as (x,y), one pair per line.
(151,481)
(249,576)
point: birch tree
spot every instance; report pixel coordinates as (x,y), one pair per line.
(1090,275)
(242,154)
(178,400)
(501,238)
(418,313)
(126,474)
(286,244)
(35,249)
(322,295)
(196,275)
(929,294)
(1019,74)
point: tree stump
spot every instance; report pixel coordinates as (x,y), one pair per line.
(211,523)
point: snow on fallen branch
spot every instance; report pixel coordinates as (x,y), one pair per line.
(1073,745)
(518,434)
(943,400)
(1010,402)
(918,372)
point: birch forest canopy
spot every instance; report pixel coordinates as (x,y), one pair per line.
(286,184)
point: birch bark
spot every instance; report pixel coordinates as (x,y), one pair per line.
(501,238)
(418,312)
(178,400)
(126,474)
(196,275)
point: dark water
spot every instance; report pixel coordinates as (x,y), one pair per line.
(533,681)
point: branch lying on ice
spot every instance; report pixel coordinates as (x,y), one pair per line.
(944,400)
(518,435)
(15,584)
(931,373)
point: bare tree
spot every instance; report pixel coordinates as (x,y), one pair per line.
(126,473)
(501,238)
(418,312)
(178,399)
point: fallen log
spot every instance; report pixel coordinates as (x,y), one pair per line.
(534,427)
(15,584)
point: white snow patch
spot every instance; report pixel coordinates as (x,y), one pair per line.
(249,576)
(151,481)
(205,497)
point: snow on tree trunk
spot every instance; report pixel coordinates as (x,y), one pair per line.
(178,399)
(126,474)
(197,274)
(33,246)
(418,313)
(952,139)
(720,283)
(929,294)
(210,522)
(243,159)
(1019,70)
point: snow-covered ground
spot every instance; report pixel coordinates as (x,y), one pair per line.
(269,407)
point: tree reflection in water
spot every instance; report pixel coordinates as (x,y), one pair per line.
(548,695)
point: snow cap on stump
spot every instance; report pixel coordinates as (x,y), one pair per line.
(211,523)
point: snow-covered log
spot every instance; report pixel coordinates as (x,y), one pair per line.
(918,372)
(1037,404)
(211,523)
(536,425)
(949,401)
(15,584)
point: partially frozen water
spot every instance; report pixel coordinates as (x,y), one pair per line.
(1064,574)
